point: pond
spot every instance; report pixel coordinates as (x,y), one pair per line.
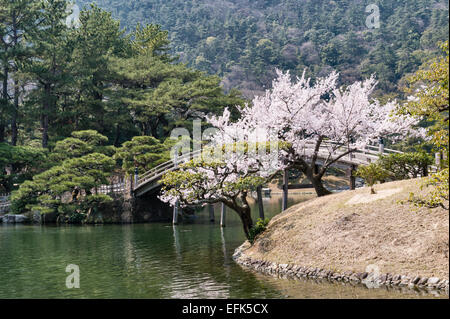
(151,261)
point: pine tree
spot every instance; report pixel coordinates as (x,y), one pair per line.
(17,20)
(97,38)
(47,67)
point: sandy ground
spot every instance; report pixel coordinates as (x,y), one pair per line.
(368,198)
(354,230)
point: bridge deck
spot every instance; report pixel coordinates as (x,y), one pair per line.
(149,181)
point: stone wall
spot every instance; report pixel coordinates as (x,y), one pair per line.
(131,210)
(14,219)
(122,210)
(118,211)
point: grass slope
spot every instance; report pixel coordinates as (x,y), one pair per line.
(351,230)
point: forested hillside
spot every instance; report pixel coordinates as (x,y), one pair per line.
(244,41)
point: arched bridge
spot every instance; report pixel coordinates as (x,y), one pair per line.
(149,181)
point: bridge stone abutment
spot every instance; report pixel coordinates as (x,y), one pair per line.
(149,208)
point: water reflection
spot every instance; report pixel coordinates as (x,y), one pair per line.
(176,242)
(224,247)
(323,289)
(149,261)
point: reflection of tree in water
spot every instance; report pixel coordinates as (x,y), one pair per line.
(226,266)
(132,259)
(176,243)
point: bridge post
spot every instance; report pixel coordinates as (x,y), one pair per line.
(136,176)
(260,202)
(285,190)
(175,213)
(130,187)
(177,204)
(223,212)
(381,145)
(211,213)
(351,177)
(437,159)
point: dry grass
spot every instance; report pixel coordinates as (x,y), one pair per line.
(366,198)
(333,182)
(328,233)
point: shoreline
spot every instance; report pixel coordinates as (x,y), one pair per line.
(359,238)
(369,279)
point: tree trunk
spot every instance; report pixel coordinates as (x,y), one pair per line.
(16,85)
(117,138)
(5,101)
(313,174)
(165,125)
(154,130)
(44,116)
(318,186)
(244,213)
(425,171)
(14,131)
(2,130)
(246,218)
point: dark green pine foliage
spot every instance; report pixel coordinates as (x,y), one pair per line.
(47,69)
(18,19)
(80,144)
(159,94)
(144,153)
(69,188)
(19,163)
(243,41)
(92,75)
(96,40)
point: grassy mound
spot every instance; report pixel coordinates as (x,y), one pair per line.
(352,230)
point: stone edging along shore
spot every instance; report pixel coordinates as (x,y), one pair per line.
(369,279)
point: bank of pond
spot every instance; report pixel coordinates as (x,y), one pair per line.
(156,260)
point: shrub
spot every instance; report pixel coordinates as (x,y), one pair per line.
(439,194)
(260,226)
(22,162)
(48,191)
(406,165)
(372,173)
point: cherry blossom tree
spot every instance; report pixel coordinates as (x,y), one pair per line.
(321,122)
(224,173)
(313,123)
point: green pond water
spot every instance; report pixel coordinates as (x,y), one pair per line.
(152,261)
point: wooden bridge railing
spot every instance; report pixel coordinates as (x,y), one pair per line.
(116,188)
(161,169)
(360,157)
